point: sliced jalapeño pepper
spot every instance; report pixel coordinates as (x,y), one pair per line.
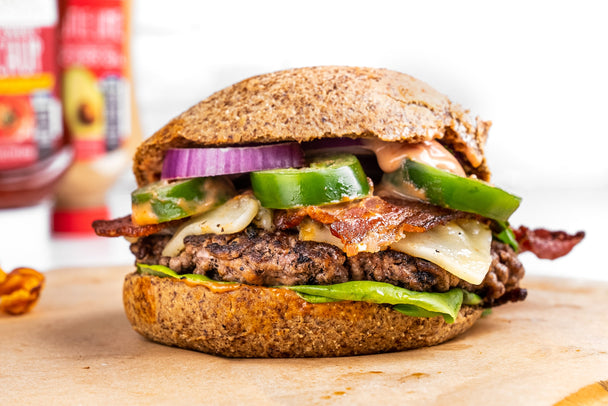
(456,192)
(503,232)
(168,200)
(328,179)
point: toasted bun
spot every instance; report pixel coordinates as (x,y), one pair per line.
(320,102)
(253,321)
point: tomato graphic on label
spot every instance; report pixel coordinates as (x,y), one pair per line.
(17,119)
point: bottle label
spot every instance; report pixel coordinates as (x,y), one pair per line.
(30,111)
(95,87)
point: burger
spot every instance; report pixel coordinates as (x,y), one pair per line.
(322,211)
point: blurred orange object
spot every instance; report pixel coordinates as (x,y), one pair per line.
(20,290)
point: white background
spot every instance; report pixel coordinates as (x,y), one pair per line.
(537,70)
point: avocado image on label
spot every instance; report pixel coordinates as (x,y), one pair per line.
(83,104)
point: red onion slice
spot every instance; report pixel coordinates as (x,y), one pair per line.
(195,162)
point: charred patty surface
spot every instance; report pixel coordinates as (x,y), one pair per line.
(258,257)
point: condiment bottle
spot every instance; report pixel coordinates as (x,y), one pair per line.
(99,111)
(33,151)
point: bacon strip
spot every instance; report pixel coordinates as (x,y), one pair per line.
(124,226)
(546,244)
(373,223)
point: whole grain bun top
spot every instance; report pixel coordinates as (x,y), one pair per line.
(320,102)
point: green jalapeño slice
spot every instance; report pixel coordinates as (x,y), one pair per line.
(169,200)
(456,192)
(328,179)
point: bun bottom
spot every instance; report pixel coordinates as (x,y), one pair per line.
(254,321)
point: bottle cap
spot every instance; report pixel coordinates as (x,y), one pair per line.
(78,221)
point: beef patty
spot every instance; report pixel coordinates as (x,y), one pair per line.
(259,257)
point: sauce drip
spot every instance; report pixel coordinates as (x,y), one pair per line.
(390,155)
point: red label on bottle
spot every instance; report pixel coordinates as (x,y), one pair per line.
(95,92)
(30,112)
(93,36)
(27,51)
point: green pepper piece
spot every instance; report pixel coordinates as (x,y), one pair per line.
(328,179)
(456,192)
(165,201)
(503,232)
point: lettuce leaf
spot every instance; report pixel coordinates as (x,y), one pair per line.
(471,298)
(414,311)
(164,272)
(419,304)
(409,302)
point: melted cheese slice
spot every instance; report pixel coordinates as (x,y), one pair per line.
(229,218)
(311,230)
(461,247)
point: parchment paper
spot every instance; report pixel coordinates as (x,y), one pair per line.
(76,347)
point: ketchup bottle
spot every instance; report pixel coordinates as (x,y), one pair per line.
(33,151)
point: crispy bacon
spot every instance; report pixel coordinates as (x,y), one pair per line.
(373,223)
(124,226)
(546,244)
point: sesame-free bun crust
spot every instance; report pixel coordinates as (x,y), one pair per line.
(253,321)
(320,102)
